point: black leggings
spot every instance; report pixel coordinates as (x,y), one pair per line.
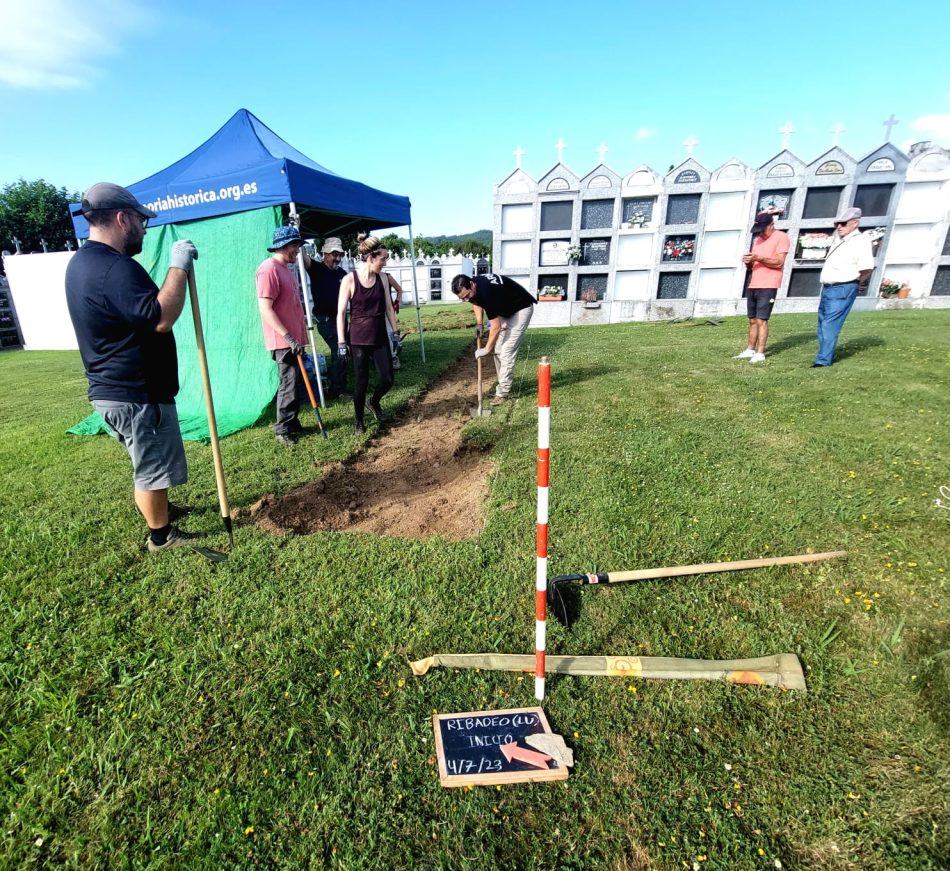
(383,358)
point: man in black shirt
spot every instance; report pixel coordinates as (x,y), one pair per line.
(508,307)
(123,323)
(325,277)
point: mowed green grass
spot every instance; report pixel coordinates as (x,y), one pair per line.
(167,713)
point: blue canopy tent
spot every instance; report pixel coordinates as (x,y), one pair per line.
(227,196)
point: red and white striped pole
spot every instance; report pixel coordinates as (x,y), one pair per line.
(541,579)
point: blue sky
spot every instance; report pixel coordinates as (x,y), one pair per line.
(430,100)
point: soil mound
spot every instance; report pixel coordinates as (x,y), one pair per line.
(414,479)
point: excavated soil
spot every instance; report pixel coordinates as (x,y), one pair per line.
(414,479)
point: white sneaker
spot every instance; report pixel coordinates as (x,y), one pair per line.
(745,355)
(757,358)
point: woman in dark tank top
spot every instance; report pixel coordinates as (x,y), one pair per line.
(370,306)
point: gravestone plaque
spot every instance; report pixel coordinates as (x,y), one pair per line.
(804,282)
(595,252)
(781,170)
(557,215)
(554,252)
(687,176)
(490,747)
(683,209)
(597,214)
(558,184)
(941,285)
(775,202)
(882,164)
(821,202)
(830,167)
(599,181)
(673,285)
(873,199)
(638,205)
(591,285)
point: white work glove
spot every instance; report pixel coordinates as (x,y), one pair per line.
(183,252)
(482,352)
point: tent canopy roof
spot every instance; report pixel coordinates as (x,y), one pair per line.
(244,166)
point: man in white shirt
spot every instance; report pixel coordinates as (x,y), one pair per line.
(847,269)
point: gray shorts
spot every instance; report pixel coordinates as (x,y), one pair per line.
(151,435)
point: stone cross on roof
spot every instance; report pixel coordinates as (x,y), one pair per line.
(889,124)
(602,151)
(836,132)
(560,145)
(690,144)
(786,132)
(519,152)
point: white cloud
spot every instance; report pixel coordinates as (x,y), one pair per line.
(644,133)
(56,44)
(933,126)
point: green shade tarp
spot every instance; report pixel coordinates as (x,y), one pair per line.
(243,375)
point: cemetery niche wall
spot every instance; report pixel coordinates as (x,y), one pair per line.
(605,247)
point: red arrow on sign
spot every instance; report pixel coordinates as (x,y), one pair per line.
(531,757)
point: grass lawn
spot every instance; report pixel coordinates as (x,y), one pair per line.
(162,712)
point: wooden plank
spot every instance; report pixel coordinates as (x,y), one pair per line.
(469,747)
(781,670)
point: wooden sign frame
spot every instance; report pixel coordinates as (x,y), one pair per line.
(491,755)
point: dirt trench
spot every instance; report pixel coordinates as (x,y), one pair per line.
(413,479)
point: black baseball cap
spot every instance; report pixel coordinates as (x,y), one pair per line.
(762,220)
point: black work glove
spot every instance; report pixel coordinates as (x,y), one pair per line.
(295,346)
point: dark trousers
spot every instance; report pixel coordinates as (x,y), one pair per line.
(326,326)
(383,359)
(289,392)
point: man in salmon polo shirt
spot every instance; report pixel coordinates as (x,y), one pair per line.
(285,330)
(767,259)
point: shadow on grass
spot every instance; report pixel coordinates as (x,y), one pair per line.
(792,341)
(857,346)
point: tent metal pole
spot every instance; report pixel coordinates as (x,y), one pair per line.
(305,285)
(415,293)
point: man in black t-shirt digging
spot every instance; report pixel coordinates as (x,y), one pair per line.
(509,307)
(123,323)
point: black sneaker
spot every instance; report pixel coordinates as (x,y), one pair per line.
(176,538)
(286,439)
(359,429)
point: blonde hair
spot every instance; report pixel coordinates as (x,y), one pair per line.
(369,245)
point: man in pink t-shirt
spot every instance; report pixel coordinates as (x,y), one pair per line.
(767,259)
(285,331)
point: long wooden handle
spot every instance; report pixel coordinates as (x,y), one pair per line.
(209,401)
(732,566)
(478,347)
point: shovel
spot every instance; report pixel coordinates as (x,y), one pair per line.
(478,410)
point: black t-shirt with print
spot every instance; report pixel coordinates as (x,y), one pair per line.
(500,296)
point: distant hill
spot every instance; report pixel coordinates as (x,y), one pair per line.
(482,236)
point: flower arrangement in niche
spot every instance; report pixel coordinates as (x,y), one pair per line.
(589,295)
(889,287)
(814,245)
(551,292)
(574,253)
(678,249)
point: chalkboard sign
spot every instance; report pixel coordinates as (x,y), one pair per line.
(490,747)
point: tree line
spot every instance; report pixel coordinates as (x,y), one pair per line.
(33,212)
